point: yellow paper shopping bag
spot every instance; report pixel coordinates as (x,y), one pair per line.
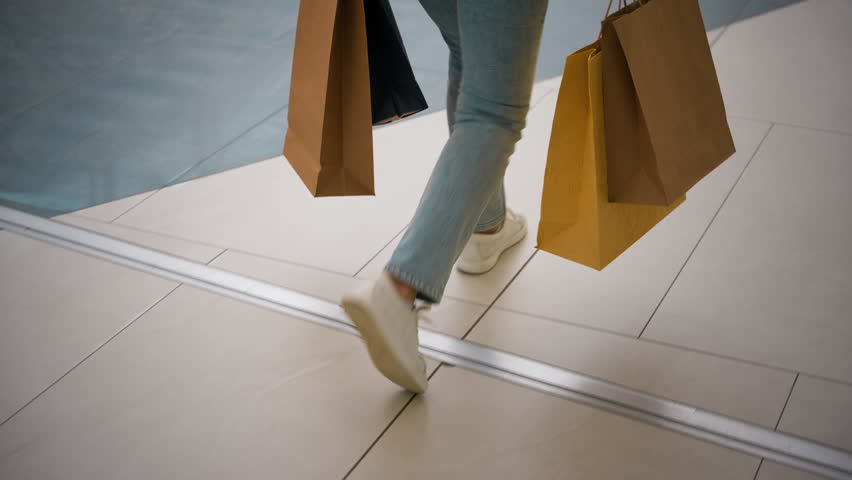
(577,221)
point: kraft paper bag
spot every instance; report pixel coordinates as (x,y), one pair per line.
(577,220)
(329,138)
(393,87)
(665,117)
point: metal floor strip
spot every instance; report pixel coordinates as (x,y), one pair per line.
(712,427)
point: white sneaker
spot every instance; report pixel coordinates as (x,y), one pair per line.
(388,325)
(483,250)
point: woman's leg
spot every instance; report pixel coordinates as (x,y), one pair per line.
(499,42)
(445,14)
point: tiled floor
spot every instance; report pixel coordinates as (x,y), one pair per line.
(737,303)
(773,471)
(58,307)
(471,426)
(784,233)
(206,387)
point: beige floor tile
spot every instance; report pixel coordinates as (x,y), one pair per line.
(551,83)
(523,183)
(774,471)
(540,91)
(790,65)
(748,392)
(770,281)
(57,307)
(174,246)
(107,212)
(265,209)
(820,410)
(453,317)
(481,289)
(714,35)
(623,295)
(544,89)
(206,387)
(471,426)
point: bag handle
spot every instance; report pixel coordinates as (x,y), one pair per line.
(621,4)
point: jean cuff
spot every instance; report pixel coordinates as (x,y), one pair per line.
(485,226)
(424,292)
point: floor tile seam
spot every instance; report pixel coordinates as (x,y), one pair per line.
(715,39)
(314,268)
(435,372)
(379,252)
(786,402)
(791,125)
(390,424)
(611,381)
(672,346)
(826,379)
(547,93)
(79,212)
(223,250)
(791,371)
(149,195)
(755,450)
(291,263)
(733,20)
(633,338)
(814,441)
(93,352)
(559,321)
(133,207)
(326,271)
(166,186)
(209,262)
(382,433)
(708,227)
(757,472)
(176,179)
(134,228)
(499,294)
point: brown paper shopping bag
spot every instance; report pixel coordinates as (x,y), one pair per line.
(329,135)
(577,222)
(665,118)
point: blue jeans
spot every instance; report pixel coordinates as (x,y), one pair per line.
(493,50)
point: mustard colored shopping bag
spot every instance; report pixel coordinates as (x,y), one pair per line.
(577,221)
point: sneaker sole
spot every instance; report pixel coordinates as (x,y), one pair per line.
(488,264)
(384,357)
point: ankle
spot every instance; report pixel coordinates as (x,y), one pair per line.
(494,230)
(404,290)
